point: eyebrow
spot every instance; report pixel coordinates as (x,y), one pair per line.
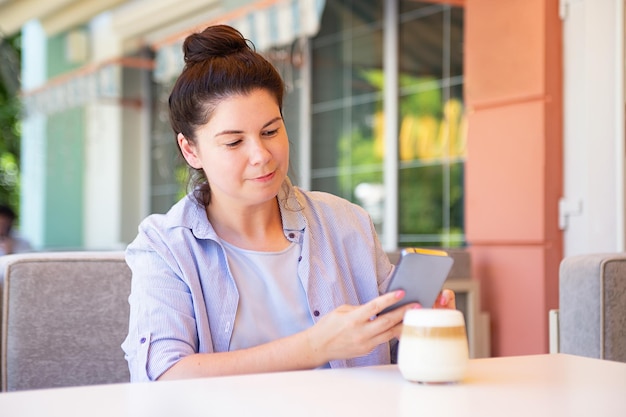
(235,132)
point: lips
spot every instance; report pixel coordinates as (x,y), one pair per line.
(266,177)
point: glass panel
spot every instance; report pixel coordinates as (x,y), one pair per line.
(431,205)
(456,42)
(431,139)
(341,16)
(421,40)
(327,129)
(347,105)
(168,172)
(457,203)
(410,6)
(352,155)
(360,159)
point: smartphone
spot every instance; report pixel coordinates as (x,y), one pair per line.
(421,274)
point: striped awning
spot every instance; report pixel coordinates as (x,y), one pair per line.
(268,24)
(101,82)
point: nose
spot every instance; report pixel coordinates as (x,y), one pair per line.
(259,152)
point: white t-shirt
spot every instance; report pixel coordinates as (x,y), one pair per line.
(272,300)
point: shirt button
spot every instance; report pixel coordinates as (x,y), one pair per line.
(292,235)
(316,313)
(299,258)
(142,340)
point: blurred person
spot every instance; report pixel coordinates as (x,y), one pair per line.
(10,241)
(249,273)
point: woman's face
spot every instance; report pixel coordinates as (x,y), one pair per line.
(243,150)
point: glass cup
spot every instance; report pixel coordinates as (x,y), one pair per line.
(433,346)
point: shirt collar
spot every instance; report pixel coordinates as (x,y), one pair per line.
(291,203)
(190,214)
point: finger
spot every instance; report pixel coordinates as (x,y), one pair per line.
(390,320)
(450,298)
(385,336)
(389,325)
(378,304)
(446,299)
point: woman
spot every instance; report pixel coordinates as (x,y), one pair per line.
(249,273)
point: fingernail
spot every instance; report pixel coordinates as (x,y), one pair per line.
(416,306)
(399,293)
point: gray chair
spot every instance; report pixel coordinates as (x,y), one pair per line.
(591,319)
(64,317)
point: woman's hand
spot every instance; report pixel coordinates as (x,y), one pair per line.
(446,299)
(352,331)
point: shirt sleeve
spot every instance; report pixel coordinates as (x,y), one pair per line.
(162,324)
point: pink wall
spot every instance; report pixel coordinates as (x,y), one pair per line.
(513,76)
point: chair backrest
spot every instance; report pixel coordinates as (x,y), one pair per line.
(64,317)
(592,306)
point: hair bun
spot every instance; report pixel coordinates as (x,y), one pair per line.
(220,40)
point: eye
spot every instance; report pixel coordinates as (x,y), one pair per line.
(270,133)
(233,144)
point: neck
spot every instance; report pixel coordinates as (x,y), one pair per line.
(257,228)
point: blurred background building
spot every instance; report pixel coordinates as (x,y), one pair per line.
(496,126)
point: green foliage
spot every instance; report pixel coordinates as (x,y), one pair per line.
(181,176)
(423,202)
(428,101)
(357,150)
(10,128)
(431,189)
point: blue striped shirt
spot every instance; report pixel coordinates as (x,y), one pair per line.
(184,298)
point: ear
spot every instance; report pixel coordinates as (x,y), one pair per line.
(189,151)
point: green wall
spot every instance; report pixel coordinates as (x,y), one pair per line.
(65,149)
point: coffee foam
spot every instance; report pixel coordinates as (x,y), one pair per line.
(433,317)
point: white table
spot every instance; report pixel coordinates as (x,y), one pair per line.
(537,385)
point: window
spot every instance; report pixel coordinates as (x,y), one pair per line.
(348,150)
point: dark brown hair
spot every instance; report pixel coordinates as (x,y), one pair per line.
(219,63)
